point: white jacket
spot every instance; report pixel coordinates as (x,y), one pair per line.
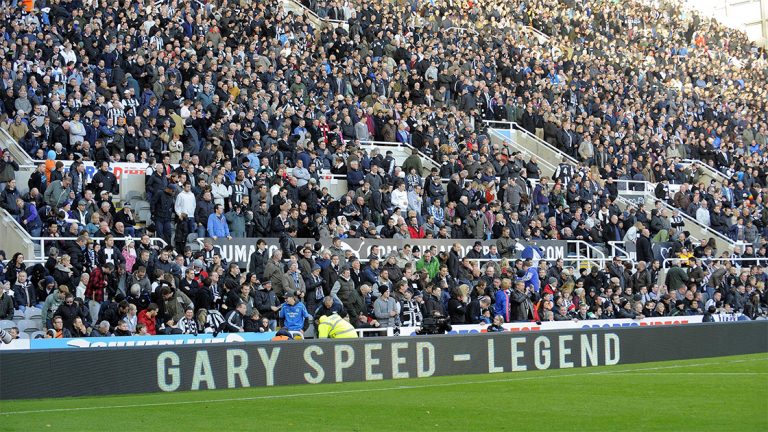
(400,199)
(220,192)
(186,203)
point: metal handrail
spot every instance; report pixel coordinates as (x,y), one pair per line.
(463,29)
(43,240)
(314,15)
(539,141)
(710,260)
(510,142)
(713,172)
(434,163)
(14,147)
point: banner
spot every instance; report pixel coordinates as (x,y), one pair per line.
(242,365)
(130,176)
(239,250)
(662,251)
(137,341)
(566,325)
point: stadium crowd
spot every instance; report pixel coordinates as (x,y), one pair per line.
(238,107)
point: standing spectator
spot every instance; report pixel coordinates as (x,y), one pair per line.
(386,309)
(97,290)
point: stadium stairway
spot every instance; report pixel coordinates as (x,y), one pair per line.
(318,23)
(549,157)
(16,238)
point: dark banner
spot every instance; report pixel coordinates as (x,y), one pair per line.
(239,250)
(662,251)
(181,368)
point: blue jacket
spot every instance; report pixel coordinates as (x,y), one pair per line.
(217,226)
(531,279)
(293,316)
(501,305)
(354,177)
(370,275)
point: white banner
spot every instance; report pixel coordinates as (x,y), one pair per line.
(566,325)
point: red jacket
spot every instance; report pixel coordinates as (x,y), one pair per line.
(147,321)
(96,285)
(416,233)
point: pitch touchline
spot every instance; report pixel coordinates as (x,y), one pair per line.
(696,373)
(327,393)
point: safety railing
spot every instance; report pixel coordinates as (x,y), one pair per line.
(691,224)
(297,5)
(15,237)
(463,29)
(429,161)
(739,262)
(513,126)
(546,167)
(711,171)
(19,154)
(541,36)
(375,331)
(42,241)
(639,187)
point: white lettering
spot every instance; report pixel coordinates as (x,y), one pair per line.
(397,360)
(237,365)
(343,362)
(564,351)
(423,348)
(319,375)
(517,354)
(612,349)
(541,354)
(492,368)
(589,350)
(269,363)
(202,372)
(370,362)
(163,372)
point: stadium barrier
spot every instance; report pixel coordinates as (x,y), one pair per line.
(225,366)
(239,250)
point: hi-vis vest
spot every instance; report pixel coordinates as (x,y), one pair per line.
(335,327)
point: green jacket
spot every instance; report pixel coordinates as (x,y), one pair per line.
(676,278)
(56,194)
(412,161)
(433,267)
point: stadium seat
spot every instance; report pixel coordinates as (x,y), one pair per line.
(29,326)
(144,215)
(32,335)
(192,238)
(133,195)
(18,315)
(33,314)
(6,324)
(140,205)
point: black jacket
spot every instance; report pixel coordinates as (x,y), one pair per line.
(162,205)
(521,306)
(257,262)
(644,249)
(457,311)
(433,304)
(108,182)
(287,244)
(262,224)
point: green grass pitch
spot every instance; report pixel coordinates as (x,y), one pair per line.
(717,394)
